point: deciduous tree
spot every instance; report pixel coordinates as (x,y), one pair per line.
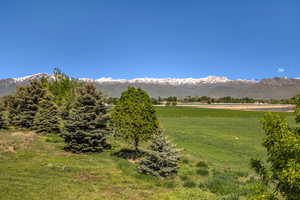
(134,118)
(282,144)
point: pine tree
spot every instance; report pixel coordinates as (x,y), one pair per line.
(3,119)
(47,118)
(86,129)
(161,159)
(23,109)
(24,104)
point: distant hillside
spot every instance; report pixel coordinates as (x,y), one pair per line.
(271,88)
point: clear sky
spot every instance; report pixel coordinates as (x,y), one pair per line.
(151,38)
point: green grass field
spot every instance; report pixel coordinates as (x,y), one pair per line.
(37,167)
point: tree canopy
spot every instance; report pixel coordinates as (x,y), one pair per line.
(282,144)
(134,118)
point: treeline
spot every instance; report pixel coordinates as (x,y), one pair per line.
(173,100)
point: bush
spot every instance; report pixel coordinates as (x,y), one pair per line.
(189,184)
(202,164)
(185,160)
(202,172)
(223,183)
(184,178)
(282,145)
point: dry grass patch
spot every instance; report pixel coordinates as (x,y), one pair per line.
(12,142)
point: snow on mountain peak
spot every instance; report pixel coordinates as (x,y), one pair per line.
(30,77)
(146,80)
(171,81)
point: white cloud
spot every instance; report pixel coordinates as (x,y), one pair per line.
(280,70)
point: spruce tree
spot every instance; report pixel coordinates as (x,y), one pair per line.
(86,128)
(3,119)
(161,159)
(23,109)
(47,118)
(25,103)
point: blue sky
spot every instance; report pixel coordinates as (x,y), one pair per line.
(151,38)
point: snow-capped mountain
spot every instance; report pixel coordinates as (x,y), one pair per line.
(30,77)
(213,86)
(168,81)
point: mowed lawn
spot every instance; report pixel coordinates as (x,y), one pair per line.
(37,167)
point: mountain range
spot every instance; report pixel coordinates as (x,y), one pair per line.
(212,86)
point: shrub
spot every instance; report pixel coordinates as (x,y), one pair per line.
(202,164)
(184,178)
(223,183)
(282,144)
(185,160)
(202,172)
(189,184)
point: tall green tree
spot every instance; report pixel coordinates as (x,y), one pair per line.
(64,90)
(282,144)
(134,118)
(47,118)
(3,118)
(25,103)
(86,129)
(161,158)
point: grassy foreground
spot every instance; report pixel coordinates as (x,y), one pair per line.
(217,147)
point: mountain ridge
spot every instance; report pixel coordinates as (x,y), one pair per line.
(213,86)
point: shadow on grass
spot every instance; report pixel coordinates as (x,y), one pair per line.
(129,154)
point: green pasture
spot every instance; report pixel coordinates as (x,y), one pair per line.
(217,146)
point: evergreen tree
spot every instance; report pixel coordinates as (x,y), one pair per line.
(3,119)
(134,118)
(24,104)
(161,159)
(47,118)
(86,128)
(23,109)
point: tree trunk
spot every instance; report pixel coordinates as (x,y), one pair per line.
(136,144)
